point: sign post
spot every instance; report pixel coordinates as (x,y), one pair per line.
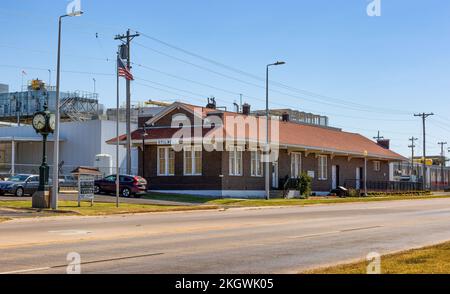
(86,188)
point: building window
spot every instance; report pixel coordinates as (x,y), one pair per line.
(166,161)
(193,161)
(235,161)
(376,166)
(323,168)
(296,165)
(256,164)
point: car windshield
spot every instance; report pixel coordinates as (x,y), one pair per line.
(18,178)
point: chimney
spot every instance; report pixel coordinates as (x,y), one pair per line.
(211,103)
(385,143)
(285,117)
(246,109)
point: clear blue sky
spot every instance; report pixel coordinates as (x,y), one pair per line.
(395,64)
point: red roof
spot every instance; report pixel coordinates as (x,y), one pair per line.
(290,134)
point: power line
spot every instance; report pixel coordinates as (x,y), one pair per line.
(260,99)
(305,92)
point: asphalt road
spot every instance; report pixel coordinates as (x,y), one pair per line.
(268,240)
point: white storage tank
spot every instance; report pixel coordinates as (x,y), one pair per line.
(104,163)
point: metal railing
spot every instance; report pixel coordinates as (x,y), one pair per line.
(383,186)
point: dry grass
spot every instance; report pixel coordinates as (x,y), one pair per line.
(427,260)
(230,202)
(71,207)
(4,219)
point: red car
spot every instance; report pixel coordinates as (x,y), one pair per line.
(129,185)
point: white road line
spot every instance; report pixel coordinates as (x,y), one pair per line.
(70,232)
(314,235)
(26,270)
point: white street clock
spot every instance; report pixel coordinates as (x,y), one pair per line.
(44,122)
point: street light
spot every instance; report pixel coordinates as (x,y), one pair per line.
(267,161)
(55,176)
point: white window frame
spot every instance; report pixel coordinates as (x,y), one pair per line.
(256,164)
(296,167)
(322,168)
(377,165)
(193,163)
(232,158)
(166,151)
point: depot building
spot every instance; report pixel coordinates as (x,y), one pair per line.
(330,156)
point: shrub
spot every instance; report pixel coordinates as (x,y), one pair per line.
(353,193)
(304,185)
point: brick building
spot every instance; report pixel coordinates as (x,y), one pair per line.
(329,155)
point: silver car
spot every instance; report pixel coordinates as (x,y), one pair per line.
(20,185)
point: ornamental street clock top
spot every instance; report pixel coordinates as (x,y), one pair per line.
(44,121)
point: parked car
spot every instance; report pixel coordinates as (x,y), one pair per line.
(67,181)
(20,185)
(128,185)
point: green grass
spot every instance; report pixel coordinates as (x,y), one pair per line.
(280,202)
(428,260)
(71,207)
(101,208)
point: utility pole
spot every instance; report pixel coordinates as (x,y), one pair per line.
(424,117)
(378,137)
(126,40)
(412,146)
(442,160)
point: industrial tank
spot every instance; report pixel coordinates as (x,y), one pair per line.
(104,163)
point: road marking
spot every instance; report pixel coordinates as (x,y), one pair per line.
(82,263)
(70,232)
(25,270)
(334,232)
(314,235)
(360,229)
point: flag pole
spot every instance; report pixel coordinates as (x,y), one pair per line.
(117,133)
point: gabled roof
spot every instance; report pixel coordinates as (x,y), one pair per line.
(294,135)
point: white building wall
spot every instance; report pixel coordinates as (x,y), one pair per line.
(81,142)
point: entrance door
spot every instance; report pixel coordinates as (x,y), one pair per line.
(275,175)
(358,178)
(334,176)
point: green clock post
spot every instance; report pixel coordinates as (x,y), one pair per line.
(44,124)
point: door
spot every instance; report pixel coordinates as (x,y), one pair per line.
(109,184)
(275,175)
(31,185)
(335,176)
(358,178)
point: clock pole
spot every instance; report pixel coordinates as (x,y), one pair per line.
(43,169)
(43,123)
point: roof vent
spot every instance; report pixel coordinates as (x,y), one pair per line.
(246,109)
(211,103)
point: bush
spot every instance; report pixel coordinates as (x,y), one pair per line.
(353,193)
(304,185)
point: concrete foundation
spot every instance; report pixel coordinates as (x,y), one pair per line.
(41,199)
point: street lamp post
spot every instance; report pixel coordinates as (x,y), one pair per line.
(267,151)
(55,176)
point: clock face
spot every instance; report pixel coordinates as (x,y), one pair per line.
(52,121)
(39,121)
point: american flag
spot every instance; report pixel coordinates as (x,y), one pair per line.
(123,70)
